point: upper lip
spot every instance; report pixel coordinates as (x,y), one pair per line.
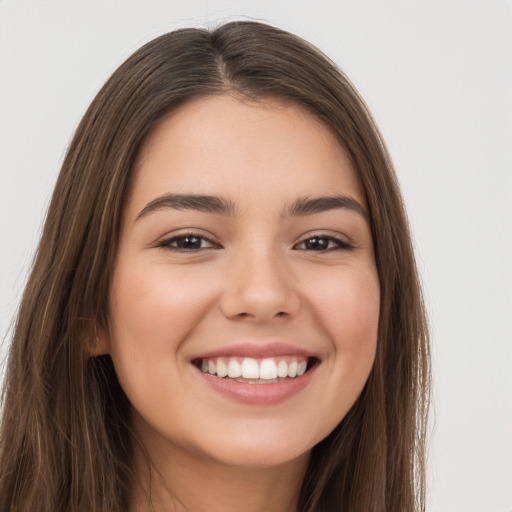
(256,351)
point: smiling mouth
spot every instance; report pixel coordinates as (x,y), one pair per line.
(250,370)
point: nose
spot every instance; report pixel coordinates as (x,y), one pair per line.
(260,288)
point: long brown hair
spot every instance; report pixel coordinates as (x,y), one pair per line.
(65,440)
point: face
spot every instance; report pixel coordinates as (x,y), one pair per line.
(244,301)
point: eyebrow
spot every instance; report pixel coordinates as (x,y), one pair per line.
(201,203)
(309,205)
(213,204)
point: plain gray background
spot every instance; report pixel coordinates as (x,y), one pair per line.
(438,78)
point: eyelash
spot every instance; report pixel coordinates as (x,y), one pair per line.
(166,244)
(339,244)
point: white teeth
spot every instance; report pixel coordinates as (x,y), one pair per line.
(234,369)
(282,369)
(268,369)
(250,368)
(222,368)
(302,368)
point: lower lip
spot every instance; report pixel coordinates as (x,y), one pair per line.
(258,394)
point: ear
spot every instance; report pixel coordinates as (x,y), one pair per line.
(98,343)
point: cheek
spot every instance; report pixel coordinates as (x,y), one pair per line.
(349,308)
(348,311)
(152,309)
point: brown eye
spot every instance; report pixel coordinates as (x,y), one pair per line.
(189,242)
(316,244)
(323,244)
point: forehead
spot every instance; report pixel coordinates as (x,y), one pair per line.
(223,145)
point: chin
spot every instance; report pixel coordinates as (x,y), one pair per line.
(251,449)
(257,458)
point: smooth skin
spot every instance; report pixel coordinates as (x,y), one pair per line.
(188,281)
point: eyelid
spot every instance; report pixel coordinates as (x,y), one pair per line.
(343,242)
(166,241)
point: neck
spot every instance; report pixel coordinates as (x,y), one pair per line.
(178,481)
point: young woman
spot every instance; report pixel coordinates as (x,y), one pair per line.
(224,310)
